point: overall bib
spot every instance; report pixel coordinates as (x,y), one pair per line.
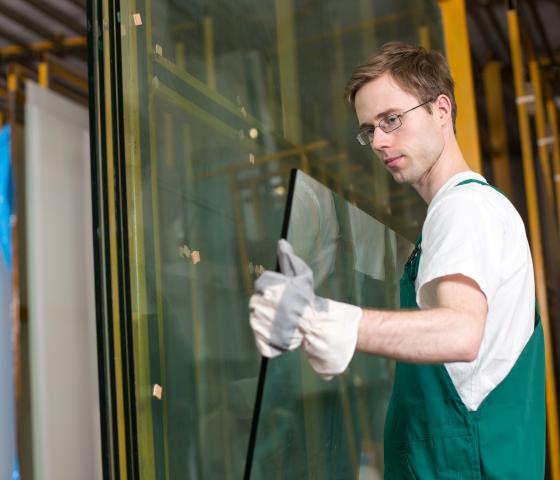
(430,433)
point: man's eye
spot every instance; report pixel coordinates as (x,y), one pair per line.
(391,120)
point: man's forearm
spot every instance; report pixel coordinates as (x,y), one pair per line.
(436,335)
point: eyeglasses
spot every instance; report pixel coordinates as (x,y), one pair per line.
(387,124)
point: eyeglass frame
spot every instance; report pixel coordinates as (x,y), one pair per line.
(369,135)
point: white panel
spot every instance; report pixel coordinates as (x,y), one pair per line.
(65,399)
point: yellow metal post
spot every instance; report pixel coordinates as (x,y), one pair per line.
(553,119)
(535,233)
(12,82)
(497,127)
(540,124)
(454,20)
(43,71)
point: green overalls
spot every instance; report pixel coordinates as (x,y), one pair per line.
(430,433)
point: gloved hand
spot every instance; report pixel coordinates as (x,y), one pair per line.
(285,312)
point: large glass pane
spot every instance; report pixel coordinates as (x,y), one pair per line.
(311,428)
(221,100)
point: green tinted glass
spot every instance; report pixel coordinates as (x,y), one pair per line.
(311,428)
(221,100)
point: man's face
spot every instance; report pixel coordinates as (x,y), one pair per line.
(411,150)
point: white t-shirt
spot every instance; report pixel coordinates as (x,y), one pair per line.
(475,231)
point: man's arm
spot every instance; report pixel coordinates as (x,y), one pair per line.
(450,329)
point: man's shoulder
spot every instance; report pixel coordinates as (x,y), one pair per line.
(458,201)
(472,207)
(473,199)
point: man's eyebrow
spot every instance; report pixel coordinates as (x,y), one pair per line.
(384,113)
(379,116)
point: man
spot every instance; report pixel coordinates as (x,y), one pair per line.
(468,396)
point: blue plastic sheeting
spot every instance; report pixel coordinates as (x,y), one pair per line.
(8,458)
(6,196)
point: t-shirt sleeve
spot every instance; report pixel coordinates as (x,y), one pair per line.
(461,235)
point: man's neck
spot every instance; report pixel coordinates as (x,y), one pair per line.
(449,163)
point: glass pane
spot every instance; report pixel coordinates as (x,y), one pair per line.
(221,100)
(311,428)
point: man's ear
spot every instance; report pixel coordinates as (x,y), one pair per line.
(442,109)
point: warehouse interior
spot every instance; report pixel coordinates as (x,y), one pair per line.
(178,129)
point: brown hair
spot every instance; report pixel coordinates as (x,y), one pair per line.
(416,70)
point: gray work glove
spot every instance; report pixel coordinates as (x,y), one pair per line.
(285,313)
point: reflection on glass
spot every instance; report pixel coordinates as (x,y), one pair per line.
(310,428)
(221,100)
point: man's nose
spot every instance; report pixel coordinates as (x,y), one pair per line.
(381,140)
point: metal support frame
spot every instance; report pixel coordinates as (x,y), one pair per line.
(16,40)
(535,234)
(493,94)
(456,36)
(540,128)
(17,74)
(51,73)
(553,119)
(15,52)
